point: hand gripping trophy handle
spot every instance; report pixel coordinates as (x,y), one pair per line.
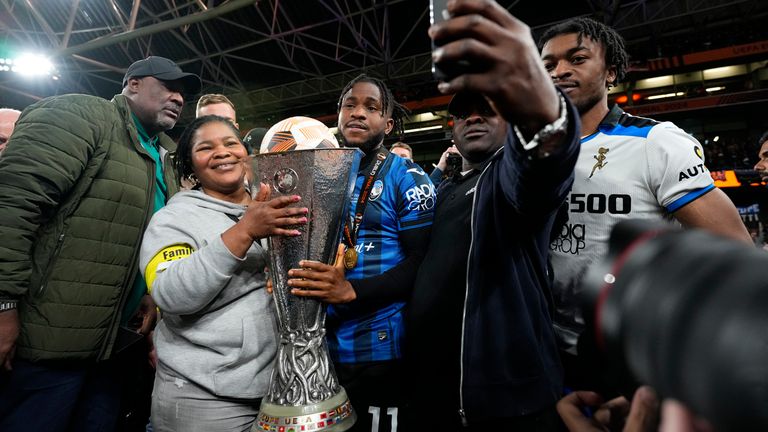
(304,393)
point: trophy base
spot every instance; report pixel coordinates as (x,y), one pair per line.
(334,414)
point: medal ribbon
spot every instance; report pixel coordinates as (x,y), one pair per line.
(350,234)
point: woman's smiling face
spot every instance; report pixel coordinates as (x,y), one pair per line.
(218,161)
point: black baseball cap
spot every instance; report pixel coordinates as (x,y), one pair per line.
(164,70)
(463,102)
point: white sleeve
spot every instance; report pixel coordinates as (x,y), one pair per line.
(676,165)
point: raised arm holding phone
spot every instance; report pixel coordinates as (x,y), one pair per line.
(480,349)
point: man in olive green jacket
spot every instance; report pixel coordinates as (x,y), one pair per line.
(76,192)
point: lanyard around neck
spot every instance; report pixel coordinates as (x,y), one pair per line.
(350,234)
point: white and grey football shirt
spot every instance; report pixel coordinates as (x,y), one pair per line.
(631,168)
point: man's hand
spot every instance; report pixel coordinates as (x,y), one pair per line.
(322,281)
(9,332)
(269,280)
(675,417)
(148,314)
(505,62)
(442,164)
(616,414)
(152,349)
(644,412)
(571,409)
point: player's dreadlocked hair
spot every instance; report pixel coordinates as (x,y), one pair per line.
(613,43)
(391,107)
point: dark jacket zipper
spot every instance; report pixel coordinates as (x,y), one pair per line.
(134,259)
(51,262)
(462,412)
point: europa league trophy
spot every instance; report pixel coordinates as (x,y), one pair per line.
(304,393)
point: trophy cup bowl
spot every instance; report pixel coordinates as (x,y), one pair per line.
(304,393)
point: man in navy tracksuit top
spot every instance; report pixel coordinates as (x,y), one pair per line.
(480,348)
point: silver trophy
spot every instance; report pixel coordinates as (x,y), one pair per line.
(304,393)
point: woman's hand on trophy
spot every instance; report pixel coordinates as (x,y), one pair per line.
(323,282)
(266,217)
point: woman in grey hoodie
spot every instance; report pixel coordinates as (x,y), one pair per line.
(202,260)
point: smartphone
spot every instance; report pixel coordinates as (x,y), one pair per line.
(444,71)
(454,163)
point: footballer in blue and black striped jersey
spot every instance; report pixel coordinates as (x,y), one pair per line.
(391,215)
(402,198)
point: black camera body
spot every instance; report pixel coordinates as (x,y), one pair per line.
(687,313)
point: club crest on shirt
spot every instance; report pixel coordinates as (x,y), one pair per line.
(697,151)
(376,190)
(600,157)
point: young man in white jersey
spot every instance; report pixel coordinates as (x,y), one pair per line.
(629,168)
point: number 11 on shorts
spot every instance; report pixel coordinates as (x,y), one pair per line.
(376,414)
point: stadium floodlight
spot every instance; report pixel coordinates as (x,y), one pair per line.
(32,64)
(29,65)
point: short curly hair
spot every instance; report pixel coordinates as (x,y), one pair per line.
(615,52)
(401,145)
(212,99)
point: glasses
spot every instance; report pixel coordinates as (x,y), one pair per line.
(483,110)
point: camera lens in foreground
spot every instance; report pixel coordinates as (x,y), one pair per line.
(687,313)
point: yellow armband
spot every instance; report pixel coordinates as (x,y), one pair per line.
(162,259)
